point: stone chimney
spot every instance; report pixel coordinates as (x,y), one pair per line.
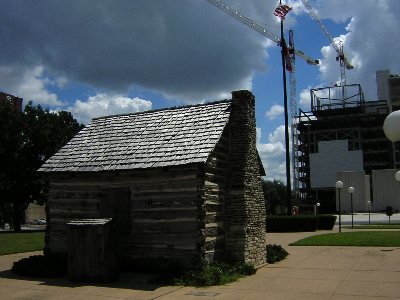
(245,206)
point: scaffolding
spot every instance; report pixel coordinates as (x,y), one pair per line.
(351,118)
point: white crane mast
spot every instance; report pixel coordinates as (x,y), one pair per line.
(344,63)
(294,119)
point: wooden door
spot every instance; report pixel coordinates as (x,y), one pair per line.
(116,203)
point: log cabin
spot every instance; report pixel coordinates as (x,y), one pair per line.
(182,183)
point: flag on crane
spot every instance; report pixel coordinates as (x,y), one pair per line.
(281,10)
(288,61)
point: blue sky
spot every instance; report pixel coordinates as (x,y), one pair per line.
(105,57)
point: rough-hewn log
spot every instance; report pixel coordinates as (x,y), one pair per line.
(164,209)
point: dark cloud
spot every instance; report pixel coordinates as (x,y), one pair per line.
(184,49)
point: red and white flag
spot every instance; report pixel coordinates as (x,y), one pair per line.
(288,61)
(281,11)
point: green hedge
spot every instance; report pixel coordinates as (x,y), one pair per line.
(292,223)
(326,222)
(41,266)
(300,223)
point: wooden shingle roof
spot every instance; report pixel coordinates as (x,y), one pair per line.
(159,138)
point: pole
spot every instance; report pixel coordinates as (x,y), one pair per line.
(369,215)
(340,220)
(351,202)
(288,182)
(369,212)
(394,154)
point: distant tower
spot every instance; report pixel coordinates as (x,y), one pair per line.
(382,84)
(394,92)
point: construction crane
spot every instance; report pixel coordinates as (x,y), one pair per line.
(265,32)
(292,78)
(294,119)
(344,63)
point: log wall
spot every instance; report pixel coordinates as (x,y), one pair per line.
(166,210)
(213,200)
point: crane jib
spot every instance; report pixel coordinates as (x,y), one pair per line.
(252,24)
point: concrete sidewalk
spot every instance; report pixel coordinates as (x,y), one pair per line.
(307,273)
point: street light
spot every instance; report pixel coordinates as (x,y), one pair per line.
(369,211)
(317,207)
(339,186)
(351,191)
(391,127)
(397,176)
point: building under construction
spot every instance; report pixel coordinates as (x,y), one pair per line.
(343,132)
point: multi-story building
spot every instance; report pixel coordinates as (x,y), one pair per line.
(388,88)
(343,132)
(394,92)
(15,101)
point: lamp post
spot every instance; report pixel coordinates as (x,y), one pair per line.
(317,207)
(351,191)
(397,177)
(369,211)
(339,186)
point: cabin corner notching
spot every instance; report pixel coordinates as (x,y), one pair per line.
(181,183)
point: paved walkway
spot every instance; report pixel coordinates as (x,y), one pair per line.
(307,273)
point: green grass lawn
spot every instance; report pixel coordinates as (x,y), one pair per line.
(375,226)
(359,238)
(21,242)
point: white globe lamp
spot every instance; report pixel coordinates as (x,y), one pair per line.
(339,184)
(391,126)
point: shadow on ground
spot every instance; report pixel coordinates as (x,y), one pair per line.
(132,281)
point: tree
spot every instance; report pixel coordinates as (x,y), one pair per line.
(27,139)
(275,196)
(10,143)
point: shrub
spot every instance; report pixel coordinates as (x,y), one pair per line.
(216,273)
(291,223)
(166,269)
(326,222)
(275,253)
(41,266)
(158,265)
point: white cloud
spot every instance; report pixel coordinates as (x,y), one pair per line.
(27,83)
(278,136)
(305,99)
(370,42)
(272,153)
(104,104)
(275,111)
